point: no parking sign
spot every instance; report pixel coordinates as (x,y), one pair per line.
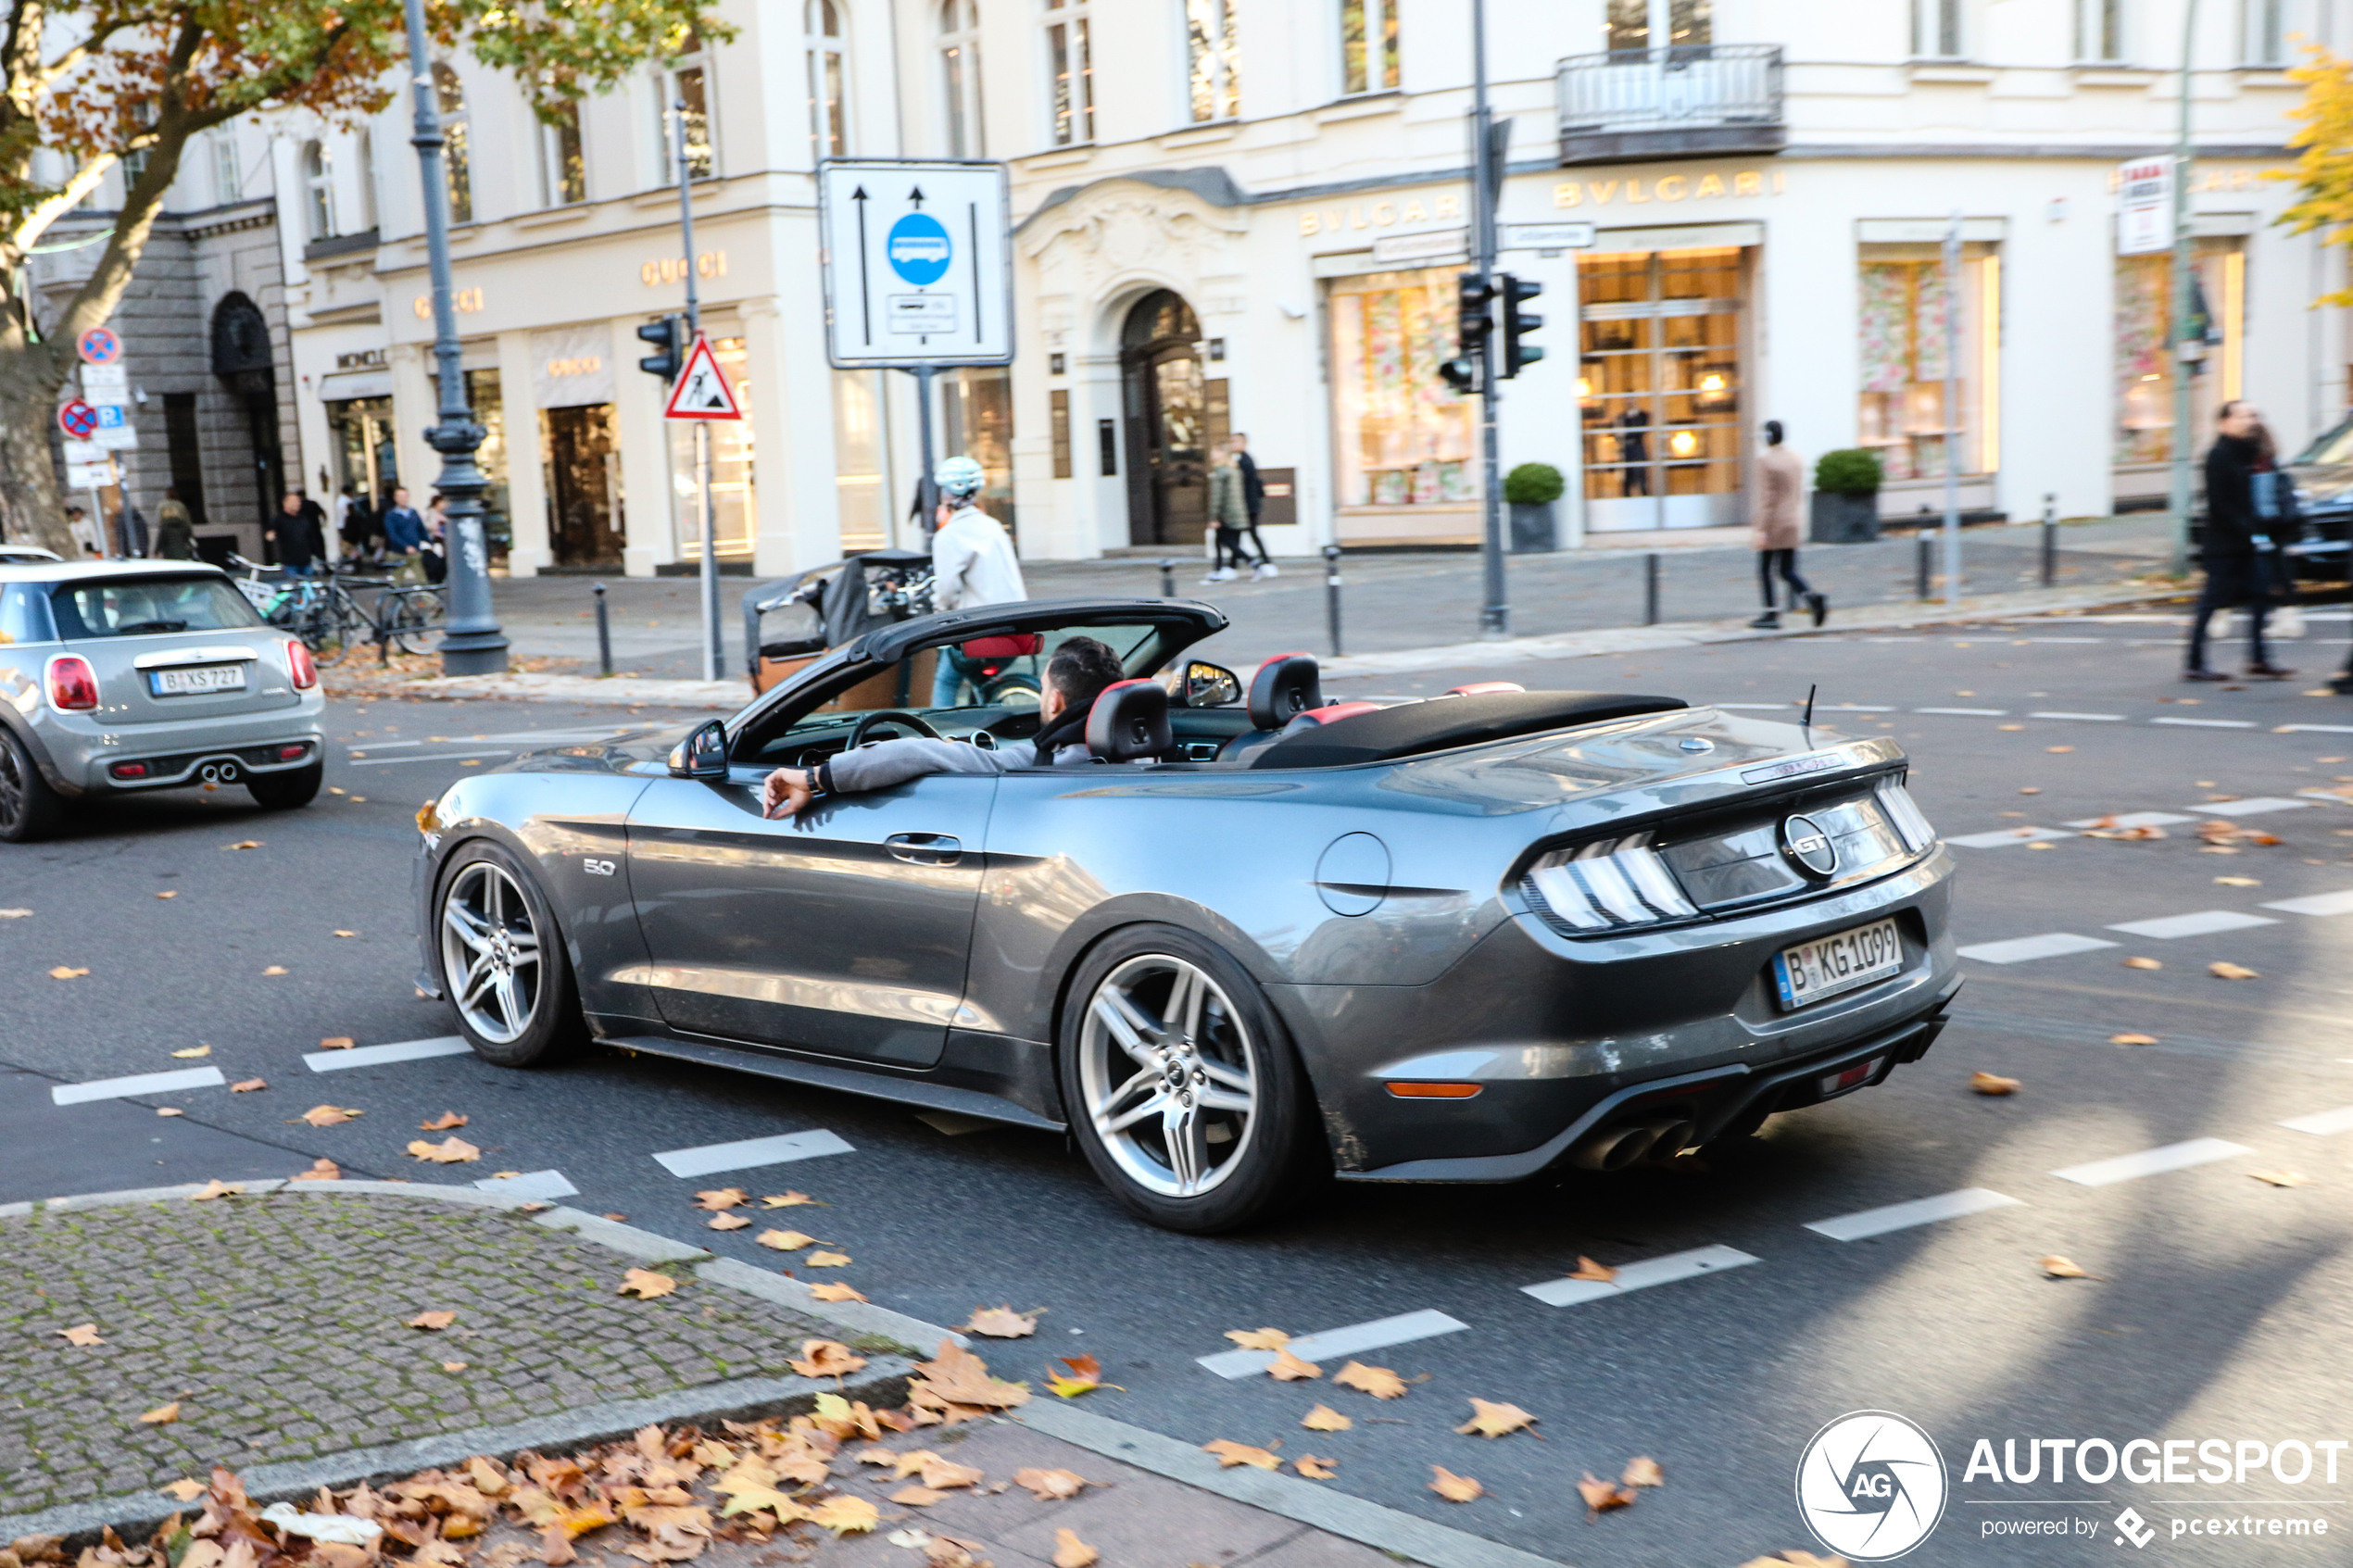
(78,419)
(98,345)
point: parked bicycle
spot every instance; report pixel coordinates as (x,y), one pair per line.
(328,617)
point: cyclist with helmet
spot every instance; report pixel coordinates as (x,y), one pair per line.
(973,562)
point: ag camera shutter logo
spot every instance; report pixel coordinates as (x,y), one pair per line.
(1871,1485)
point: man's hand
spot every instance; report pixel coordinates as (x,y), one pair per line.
(784,792)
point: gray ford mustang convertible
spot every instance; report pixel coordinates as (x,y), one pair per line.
(1263,938)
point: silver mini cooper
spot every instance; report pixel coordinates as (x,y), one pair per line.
(122,676)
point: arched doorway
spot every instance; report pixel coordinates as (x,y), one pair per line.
(243,359)
(1168,412)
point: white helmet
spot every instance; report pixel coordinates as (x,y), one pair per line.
(959,477)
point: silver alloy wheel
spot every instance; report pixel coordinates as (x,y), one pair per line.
(1169,1074)
(489,952)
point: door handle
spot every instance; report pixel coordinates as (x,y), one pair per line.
(925,848)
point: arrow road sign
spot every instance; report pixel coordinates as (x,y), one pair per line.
(78,419)
(98,345)
(918,262)
(702,392)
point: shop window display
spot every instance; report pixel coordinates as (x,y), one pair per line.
(1904,310)
(1403,439)
(2145,371)
(1659,386)
(977,408)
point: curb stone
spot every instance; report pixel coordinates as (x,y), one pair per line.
(883,1381)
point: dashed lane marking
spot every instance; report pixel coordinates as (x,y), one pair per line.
(1333,1343)
(2322,1123)
(2085,718)
(1748,707)
(2202,923)
(2207,723)
(2134,820)
(431,757)
(2317,904)
(1669,1270)
(2256,806)
(1918,1211)
(2149,1162)
(1969,713)
(376,1056)
(529,1183)
(2000,836)
(2021,950)
(712,1159)
(2317,729)
(137,1084)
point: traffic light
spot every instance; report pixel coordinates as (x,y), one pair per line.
(668,337)
(1474,322)
(1518,322)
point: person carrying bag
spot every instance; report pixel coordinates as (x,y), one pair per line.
(2278,524)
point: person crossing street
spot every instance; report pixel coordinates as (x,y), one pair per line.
(1777,528)
(2239,556)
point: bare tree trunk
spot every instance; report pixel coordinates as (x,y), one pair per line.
(33,507)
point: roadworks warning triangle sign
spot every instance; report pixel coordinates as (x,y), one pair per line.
(702,392)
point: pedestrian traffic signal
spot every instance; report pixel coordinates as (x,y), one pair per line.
(1518,322)
(668,335)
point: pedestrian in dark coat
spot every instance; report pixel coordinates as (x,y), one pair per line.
(2239,557)
(1255,502)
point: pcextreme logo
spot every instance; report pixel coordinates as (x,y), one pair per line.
(1871,1485)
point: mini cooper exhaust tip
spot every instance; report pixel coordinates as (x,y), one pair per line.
(221,773)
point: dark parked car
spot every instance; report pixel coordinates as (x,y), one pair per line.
(1458,940)
(2323,476)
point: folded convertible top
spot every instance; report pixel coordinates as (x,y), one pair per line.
(1415,727)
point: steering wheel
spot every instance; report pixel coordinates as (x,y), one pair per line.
(891,716)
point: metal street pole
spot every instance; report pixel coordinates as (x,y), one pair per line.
(1952,410)
(712,658)
(1495,616)
(2180,503)
(472,642)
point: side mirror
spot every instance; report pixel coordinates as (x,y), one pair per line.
(1211,685)
(702,755)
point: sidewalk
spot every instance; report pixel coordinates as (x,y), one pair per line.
(385,1352)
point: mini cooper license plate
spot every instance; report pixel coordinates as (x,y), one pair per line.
(1829,965)
(196,679)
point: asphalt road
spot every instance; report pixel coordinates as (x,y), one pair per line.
(2221,1304)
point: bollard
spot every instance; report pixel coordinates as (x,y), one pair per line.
(1923,548)
(1331,593)
(604,633)
(2050,540)
(1649,589)
(1168,580)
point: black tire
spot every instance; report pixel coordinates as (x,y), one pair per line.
(551,1024)
(1278,1153)
(30,810)
(416,617)
(284,791)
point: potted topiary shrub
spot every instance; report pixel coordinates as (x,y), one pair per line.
(1529,490)
(1845,504)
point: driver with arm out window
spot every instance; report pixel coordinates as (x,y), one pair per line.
(1076,676)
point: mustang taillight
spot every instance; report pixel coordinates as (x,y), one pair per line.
(1608,886)
(1905,812)
(73,685)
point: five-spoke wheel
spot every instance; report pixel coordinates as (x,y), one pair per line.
(502,961)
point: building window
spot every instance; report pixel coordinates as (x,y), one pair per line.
(367,146)
(563,176)
(1070,68)
(686,82)
(1906,314)
(2145,371)
(318,189)
(1402,439)
(1658,386)
(857,459)
(731,468)
(1936,30)
(1058,430)
(960,76)
(228,178)
(1213,59)
(2266,34)
(977,413)
(485,396)
(1367,46)
(457,172)
(828,99)
(1630,27)
(2099,30)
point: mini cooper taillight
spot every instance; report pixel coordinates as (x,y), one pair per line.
(73,685)
(1905,812)
(1607,886)
(299,666)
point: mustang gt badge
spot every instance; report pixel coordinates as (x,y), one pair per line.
(1806,843)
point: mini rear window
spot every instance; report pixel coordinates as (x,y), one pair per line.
(135,607)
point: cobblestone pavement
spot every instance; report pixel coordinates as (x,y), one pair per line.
(278,1325)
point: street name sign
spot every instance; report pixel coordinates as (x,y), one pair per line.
(1548,236)
(2144,216)
(702,392)
(918,262)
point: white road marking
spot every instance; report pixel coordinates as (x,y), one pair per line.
(531,1184)
(2203,922)
(2317,729)
(137,1084)
(712,1159)
(2322,1123)
(1969,713)
(1668,1270)
(2149,1162)
(2207,723)
(2134,820)
(2317,904)
(2019,949)
(357,747)
(2255,808)
(430,756)
(1334,1343)
(1918,1211)
(2084,718)
(2066,640)
(376,1056)
(1759,706)
(1852,708)
(2000,836)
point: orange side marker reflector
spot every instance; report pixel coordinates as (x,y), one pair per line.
(1435,1091)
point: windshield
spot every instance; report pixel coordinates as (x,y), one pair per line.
(2336,447)
(130,606)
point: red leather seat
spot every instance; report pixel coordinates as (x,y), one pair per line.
(1130,722)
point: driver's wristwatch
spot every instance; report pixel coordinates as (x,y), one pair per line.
(820,779)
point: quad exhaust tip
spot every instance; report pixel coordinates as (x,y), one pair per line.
(1615,1148)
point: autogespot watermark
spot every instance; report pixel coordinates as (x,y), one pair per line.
(1872,1485)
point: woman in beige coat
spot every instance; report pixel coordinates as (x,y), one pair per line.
(1777,528)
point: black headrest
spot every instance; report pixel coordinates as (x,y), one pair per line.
(1415,728)
(1285,686)
(1129,721)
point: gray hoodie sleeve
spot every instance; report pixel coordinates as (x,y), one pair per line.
(885,763)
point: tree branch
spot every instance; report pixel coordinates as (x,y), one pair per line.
(36,222)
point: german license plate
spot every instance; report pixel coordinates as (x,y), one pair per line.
(1829,965)
(196,679)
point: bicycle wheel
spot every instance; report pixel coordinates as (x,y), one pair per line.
(415,618)
(332,623)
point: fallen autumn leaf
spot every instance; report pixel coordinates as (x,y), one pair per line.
(721,1198)
(1377,1381)
(442,1123)
(1001,1322)
(162,1415)
(1454,1487)
(1643,1470)
(1588,1269)
(1602,1495)
(184,1489)
(2056,1267)
(193,1052)
(62,973)
(337,1043)
(1492,1420)
(329,1115)
(827,1260)
(1052,1486)
(1230,1453)
(645,1285)
(2280,1178)
(1315,1469)
(247,1086)
(432,1321)
(834,1290)
(2132,1039)
(1287,1368)
(82,1333)
(452,1150)
(826,1358)
(322,1170)
(1323,1418)
(215,1188)
(1258,1338)
(1071,1552)
(2224,971)
(2143,963)
(729,1222)
(1993,1084)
